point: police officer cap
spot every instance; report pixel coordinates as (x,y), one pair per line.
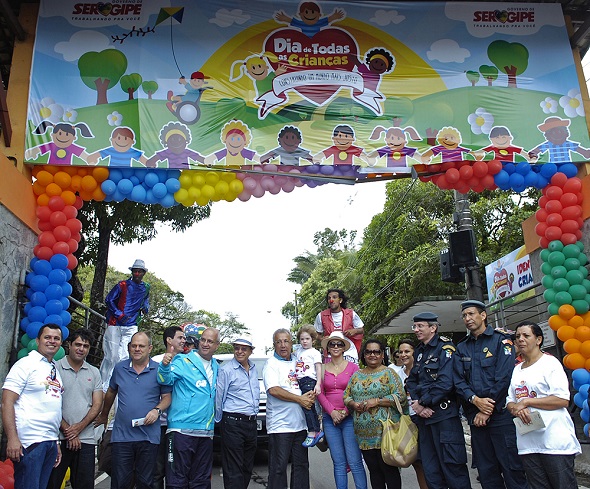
(425,316)
(472,303)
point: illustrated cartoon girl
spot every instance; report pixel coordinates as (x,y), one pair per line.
(175,137)
(62,147)
(258,68)
(236,136)
(449,140)
(378,61)
(396,150)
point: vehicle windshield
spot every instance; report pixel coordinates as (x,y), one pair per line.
(259,362)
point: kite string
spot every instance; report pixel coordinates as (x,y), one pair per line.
(172,44)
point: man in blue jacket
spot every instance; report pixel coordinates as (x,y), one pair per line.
(191,415)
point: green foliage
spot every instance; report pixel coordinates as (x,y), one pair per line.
(102,71)
(490,73)
(149,87)
(130,83)
(230,327)
(472,76)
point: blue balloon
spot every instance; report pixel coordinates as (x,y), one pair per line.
(168,201)
(523,168)
(125,186)
(127,172)
(33,261)
(586,430)
(28,306)
(54,306)
(29,293)
(569,169)
(60,262)
(509,168)
(578,401)
(24,322)
(159,190)
(37,313)
(542,182)
(548,170)
(151,178)
(65,303)
(115,175)
(54,291)
(66,289)
(584,390)
(66,317)
(162,175)
(53,319)
(581,376)
(531,179)
(134,180)
(118,196)
(57,276)
(149,197)
(138,194)
(502,180)
(68,273)
(33,329)
(173,185)
(312,169)
(517,182)
(584,414)
(42,267)
(65,332)
(28,277)
(326,169)
(39,283)
(173,174)
(108,187)
(38,299)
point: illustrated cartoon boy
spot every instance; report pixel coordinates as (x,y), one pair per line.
(343,150)
(122,151)
(501,146)
(311,20)
(288,150)
(449,146)
(194,89)
(557,144)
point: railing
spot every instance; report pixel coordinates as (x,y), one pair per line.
(85,317)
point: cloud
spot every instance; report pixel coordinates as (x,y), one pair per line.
(78,44)
(226,18)
(386,17)
(447,51)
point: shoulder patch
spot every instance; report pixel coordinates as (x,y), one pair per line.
(444,338)
(507,332)
(450,347)
(507,342)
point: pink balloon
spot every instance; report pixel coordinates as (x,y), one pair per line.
(258,192)
(249,184)
(275,190)
(289,186)
(270,168)
(280,179)
(267,182)
(240,176)
(244,196)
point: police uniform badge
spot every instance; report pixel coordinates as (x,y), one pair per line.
(448,349)
(488,353)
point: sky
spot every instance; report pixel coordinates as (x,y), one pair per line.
(238,259)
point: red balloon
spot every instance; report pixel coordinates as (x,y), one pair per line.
(70,211)
(541,228)
(572,212)
(43,212)
(568,199)
(72,261)
(44,226)
(62,233)
(580,222)
(453,175)
(553,206)
(56,203)
(568,238)
(7,481)
(424,179)
(72,245)
(494,167)
(580,199)
(553,232)
(447,166)
(57,218)
(488,181)
(44,253)
(554,219)
(441,182)
(569,226)
(75,225)
(478,188)
(480,169)
(554,192)
(79,202)
(46,238)
(578,234)
(466,172)
(77,237)
(543,201)
(541,215)
(573,185)
(61,248)
(559,179)
(544,242)
(462,187)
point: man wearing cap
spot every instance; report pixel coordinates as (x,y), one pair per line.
(126,302)
(236,405)
(557,144)
(483,367)
(430,384)
(194,89)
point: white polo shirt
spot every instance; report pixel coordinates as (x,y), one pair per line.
(38,408)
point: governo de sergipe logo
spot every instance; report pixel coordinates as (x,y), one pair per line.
(523,15)
(106,9)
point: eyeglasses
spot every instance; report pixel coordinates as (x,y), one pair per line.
(420,326)
(373,352)
(53,374)
(335,344)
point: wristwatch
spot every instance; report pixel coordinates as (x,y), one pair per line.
(472,398)
(159,410)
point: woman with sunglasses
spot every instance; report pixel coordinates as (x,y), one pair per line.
(369,395)
(337,423)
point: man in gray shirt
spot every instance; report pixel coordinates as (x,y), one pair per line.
(82,401)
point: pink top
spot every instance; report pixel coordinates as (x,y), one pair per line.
(332,395)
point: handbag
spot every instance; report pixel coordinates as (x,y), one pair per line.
(399,441)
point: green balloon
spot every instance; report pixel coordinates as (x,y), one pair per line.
(553,309)
(574,277)
(25,340)
(556,258)
(549,295)
(562,298)
(571,251)
(560,285)
(584,271)
(586,283)
(60,354)
(555,245)
(558,272)
(587,298)
(546,269)
(571,264)
(22,353)
(32,345)
(583,259)
(578,292)
(547,281)
(580,245)
(545,254)
(581,307)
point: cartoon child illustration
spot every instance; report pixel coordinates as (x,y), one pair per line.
(288,150)
(310,20)
(121,152)
(378,61)
(175,137)
(501,146)
(396,150)
(449,140)
(62,147)
(194,89)
(343,150)
(557,144)
(236,136)
(257,67)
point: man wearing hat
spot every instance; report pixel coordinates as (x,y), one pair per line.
(557,144)
(430,384)
(483,367)
(236,405)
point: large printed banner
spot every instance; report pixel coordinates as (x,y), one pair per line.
(508,276)
(367,87)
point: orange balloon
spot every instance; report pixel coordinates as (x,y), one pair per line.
(43,200)
(566,333)
(69,197)
(567,311)
(586,318)
(76,183)
(582,333)
(84,195)
(556,322)
(53,189)
(98,194)
(587,364)
(585,349)
(572,345)
(89,183)
(575,361)
(576,321)
(82,172)
(100,174)
(34,171)
(62,179)
(38,189)
(71,170)
(44,178)
(52,169)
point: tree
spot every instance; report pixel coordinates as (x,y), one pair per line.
(305,265)
(149,87)
(472,76)
(102,71)
(230,328)
(332,243)
(130,83)
(511,58)
(489,73)
(124,222)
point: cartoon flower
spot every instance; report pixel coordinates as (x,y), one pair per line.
(481,121)
(47,110)
(549,105)
(70,115)
(572,103)
(114,119)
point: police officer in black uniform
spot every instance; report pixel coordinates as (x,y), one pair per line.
(483,367)
(430,384)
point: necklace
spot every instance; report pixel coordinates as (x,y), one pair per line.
(338,366)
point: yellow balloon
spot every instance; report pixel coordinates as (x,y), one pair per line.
(221,188)
(212,177)
(181,195)
(185,180)
(198,180)
(227,176)
(194,193)
(236,186)
(207,192)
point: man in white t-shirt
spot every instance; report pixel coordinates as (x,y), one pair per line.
(285,421)
(31,411)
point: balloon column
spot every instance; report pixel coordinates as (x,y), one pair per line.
(6,474)
(464,175)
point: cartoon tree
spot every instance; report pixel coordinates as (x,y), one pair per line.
(150,87)
(130,83)
(511,58)
(472,76)
(102,71)
(489,73)
(400,109)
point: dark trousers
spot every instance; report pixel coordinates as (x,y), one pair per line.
(496,456)
(238,447)
(307,384)
(193,462)
(545,471)
(34,468)
(443,454)
(160,472)
(281,447)
(136,458)
(81,465)
(382,475)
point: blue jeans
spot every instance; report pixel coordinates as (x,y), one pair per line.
(34,468)
(81,465)
(307,384)
(134,458)
(344,450)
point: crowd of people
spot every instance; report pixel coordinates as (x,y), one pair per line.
(167,406)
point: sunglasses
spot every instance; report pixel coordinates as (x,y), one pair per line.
(373,352)
(335,344)
(53,374)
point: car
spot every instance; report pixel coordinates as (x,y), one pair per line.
(259,361)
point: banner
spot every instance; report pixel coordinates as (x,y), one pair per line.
(507,276)
(347,89)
